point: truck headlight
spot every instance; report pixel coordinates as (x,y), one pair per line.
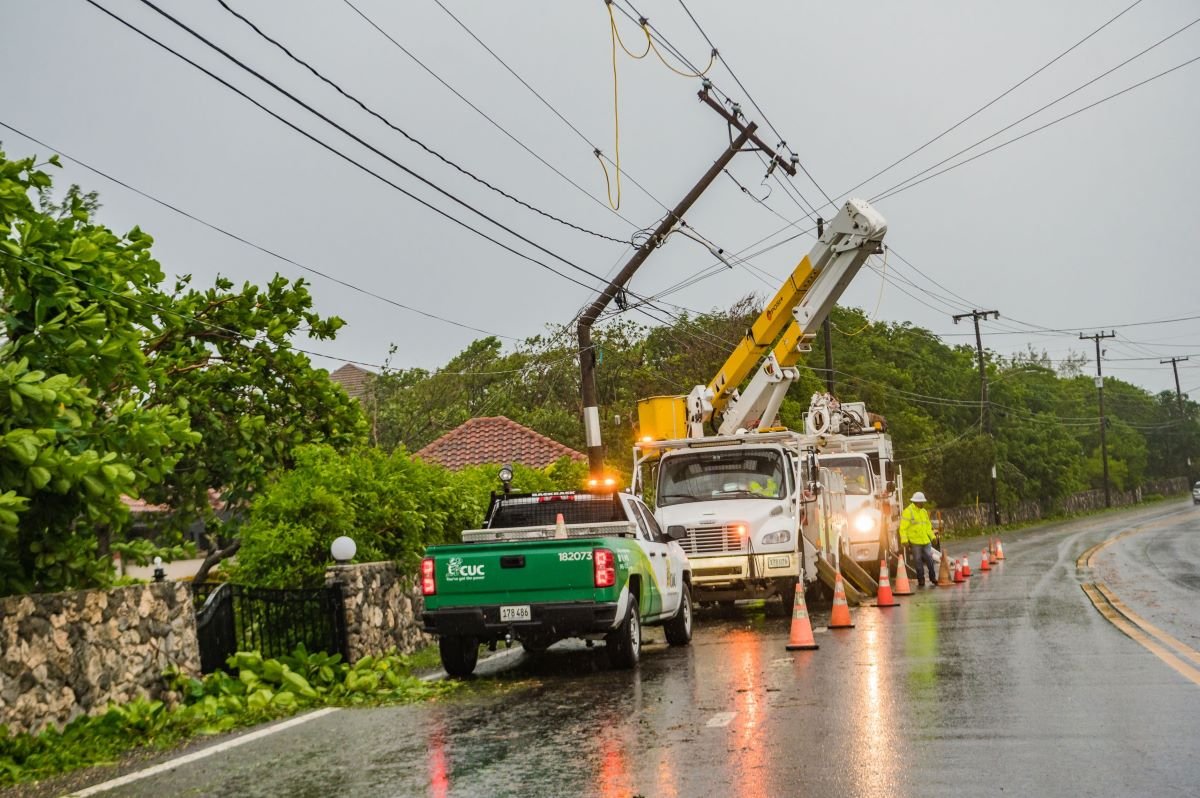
(864,522)
(782,536)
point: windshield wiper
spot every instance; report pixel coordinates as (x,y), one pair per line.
(685,496)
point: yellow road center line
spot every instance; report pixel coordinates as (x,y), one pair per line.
(1146,626)
(1134,632)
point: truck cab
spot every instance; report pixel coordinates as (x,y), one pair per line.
(756,509)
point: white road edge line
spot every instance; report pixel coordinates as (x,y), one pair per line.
(720,719)
(163,767)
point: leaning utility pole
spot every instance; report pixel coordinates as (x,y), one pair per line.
(985,406)
(587,355)
(1098,337)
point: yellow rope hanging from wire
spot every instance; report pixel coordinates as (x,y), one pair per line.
(712,59)
(617,40)
(878,302)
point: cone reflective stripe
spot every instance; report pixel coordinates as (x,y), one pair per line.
(958,575)
(839,618)
(999,550)
(944,572)
(560,528)
(903,588)
(801,636)
(884,597)
(966,563)
(984,566)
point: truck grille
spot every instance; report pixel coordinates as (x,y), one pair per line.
(713,540)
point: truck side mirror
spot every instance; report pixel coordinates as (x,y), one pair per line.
(675,532)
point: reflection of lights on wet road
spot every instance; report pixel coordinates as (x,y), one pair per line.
(439,778)
(750,752)
(614,770)
(876,762)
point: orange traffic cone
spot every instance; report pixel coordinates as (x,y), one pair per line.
(884,597)
(903,588)
(999,550)
(560,528)
(966,562)
(984,566)
(840,617)
(944,572)
(958,576)
(801,637)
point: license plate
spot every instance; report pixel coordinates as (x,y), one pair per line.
(779,562)
(517,613)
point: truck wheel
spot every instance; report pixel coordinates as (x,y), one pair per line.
(679,628)
(624,644)
(787,595)
(459,654)
(536,644)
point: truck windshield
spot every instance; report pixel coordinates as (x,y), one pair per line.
(704,476)
(854,470)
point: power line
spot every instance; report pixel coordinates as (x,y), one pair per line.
(483,113)
(316,73)
(991,102)
(753,102)
(897,187)
(595,149)
(247,242)
(347,158)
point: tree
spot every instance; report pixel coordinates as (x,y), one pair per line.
(115,387)
(76,430)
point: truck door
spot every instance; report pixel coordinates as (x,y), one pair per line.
(666,575)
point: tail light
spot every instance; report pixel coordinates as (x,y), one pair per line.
(428,580)
(604,568)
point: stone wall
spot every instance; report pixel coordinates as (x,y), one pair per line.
(979,516)
(383,608)
(66,654)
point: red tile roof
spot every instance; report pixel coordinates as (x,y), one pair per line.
(495,439)
(352,379)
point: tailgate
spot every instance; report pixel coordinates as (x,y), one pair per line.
(507,573)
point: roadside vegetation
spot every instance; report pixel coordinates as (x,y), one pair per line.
(252,691)
(116,381)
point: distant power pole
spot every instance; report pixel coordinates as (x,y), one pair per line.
(1098,337)
(1174,361)
(976,315)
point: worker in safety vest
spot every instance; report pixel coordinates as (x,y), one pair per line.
(916,532)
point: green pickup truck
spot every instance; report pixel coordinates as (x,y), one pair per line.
(548,566)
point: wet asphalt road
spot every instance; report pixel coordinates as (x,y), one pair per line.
(1012,684)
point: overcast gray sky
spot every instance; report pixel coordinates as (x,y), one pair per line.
(1085,225)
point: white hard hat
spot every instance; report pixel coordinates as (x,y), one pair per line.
(918,497)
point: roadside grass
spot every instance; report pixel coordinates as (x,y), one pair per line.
(975,532)
(252,692)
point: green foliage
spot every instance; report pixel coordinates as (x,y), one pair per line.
(1046,440)
(110,386)
(392,505)
(254,690)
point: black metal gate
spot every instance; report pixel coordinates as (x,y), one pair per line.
(235,618)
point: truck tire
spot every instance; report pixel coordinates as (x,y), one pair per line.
(624,644)
(536,644)
(679,628)
(459,654)
(787,595)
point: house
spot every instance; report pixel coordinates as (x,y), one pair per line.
(495,439)
(354,380)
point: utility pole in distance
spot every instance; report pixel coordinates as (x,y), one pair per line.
(587,357)
(1098,337)
(976,315)
(1174,361)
